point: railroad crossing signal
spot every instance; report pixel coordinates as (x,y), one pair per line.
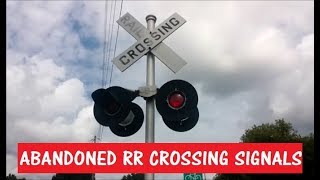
(176,100)
(150,41)
(114,108)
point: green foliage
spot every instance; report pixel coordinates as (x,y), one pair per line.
(232,177)
(13,177)
(72,177)
(280,131)
(133,176)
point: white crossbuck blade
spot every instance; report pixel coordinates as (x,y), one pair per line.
(150,41)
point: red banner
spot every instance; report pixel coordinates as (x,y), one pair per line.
(159,158)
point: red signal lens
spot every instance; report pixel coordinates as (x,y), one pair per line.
(176,99)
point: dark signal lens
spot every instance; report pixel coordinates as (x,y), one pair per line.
(176,100)
(112,108)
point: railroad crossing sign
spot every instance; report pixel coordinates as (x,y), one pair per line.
(150,41)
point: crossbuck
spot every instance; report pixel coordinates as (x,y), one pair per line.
(150,41)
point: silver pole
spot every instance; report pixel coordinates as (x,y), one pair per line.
(151,20)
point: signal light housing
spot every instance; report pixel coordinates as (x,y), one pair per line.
(177,101)
(131,124)
(185,123)
(113,108)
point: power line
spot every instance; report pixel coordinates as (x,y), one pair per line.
(108,51)
(110,39)
(104,43)
(108,44)
(108,48)
(104,78)
(100,132)
(115,45)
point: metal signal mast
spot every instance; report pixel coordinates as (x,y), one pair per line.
(176,100)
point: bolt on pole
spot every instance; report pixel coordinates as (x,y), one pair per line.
(150,81)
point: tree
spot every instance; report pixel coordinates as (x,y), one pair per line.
(133,176)
(280,131)
(13,177)
(72,177)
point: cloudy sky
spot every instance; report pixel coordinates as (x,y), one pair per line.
(251,63)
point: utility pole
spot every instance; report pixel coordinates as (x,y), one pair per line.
(150,82)
(94,140)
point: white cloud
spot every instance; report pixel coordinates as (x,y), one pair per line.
(27,82)
(60,129)
(306,47)
(44,105)
(67,98)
